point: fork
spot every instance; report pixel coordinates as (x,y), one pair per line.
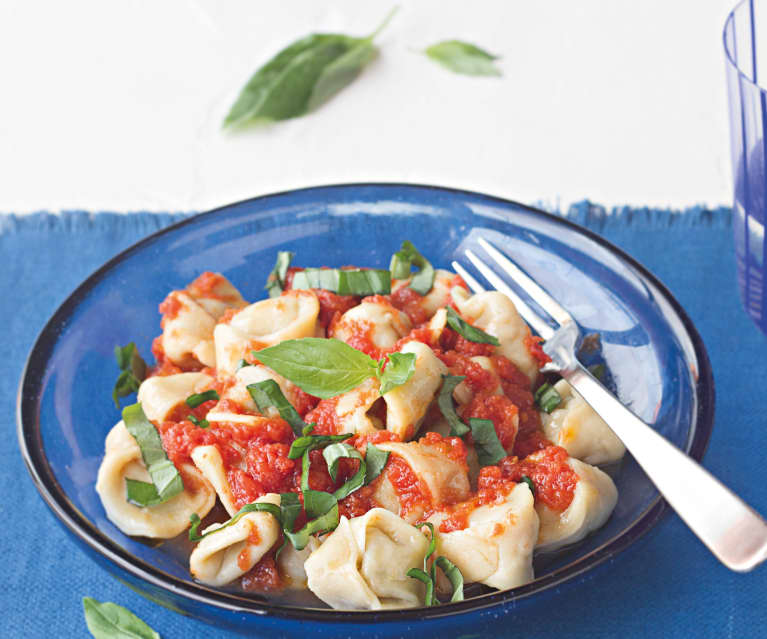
(731,530)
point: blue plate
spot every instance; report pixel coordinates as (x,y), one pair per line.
(657,361)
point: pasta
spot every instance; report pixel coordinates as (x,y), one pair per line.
(375,443)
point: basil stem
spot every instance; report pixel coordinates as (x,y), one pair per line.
(407,257)
(275,282)
(132,372)
(333,454)
(447,407)
(193,401)
(358,282)
(247,508)
(165,477)
(471,333)
(268,394)
(547,398)
(529,483)
(375,462)
(486,442)
(399,369)
(107,620)
(463,57)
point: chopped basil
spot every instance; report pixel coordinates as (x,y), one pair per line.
(429,577)
(375,461)
(359,282)
(193,401)
(454,576)
(275,282)
(132,371)
(432,541)
(471,333)
(529,483)
(141,493)
(486,442)
(429,598)
(333,454)
(268,394)
(317,503)
(406,258)
(247,508)
(107,620)
(306,443)
(399,369)
(202,423)
(547,398)
(447,407)
(324,523)
(165,477)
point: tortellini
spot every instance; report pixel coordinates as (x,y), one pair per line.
(438,296)
(291,563)
(593,502)
(246,375)
(352,409)
(363,563)
(579,430)
(160,395)
(191,316)
(291,316)
(210,463)
(122,460)
(383,323)
(495,314)
(223,557)
(496,548)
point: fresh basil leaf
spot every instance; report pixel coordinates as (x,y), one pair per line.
(333,454)
(324,523)
(344,281)
(321,367)
(141,493)
(307,430)
(165,476)
(291,509)
(462,57)
(399,369)
(317,503)
(305,467)
(529,483)
(447,407)
(306,443)
(471,333)
(407,257)
(429,598)
(547,398)
(106,620)
(193,401)
(375,462)
(301,77)
(133,371)
(247,508)
(486,442)
(275,282)
(268,394)
(432,541)
(202,423)
(454,576)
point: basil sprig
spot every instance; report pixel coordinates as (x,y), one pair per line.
(275,282)
(471,333)
(193,401)
(406,258)
(133,371)
(463,57)
(329,367)
(486,442)
(268,394)
(344,282)
(429,577)
(107,620)
(166,480)
(547,398)
(302,76)
(447,406)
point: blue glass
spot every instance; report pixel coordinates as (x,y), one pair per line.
(745,62)
(657,362)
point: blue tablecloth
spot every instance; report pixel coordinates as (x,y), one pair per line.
(665,585)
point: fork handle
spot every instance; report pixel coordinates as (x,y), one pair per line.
(732,530)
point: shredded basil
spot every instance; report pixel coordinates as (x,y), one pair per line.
(453,574)
(247,508)
(429,577)
(107,620)
(406,258)
(275,282)
(193,401)
(429,598)
(529,483)
(141,493)
(268,394)
(447,407)
(375,461)
(306,443)
(132,372)
(471,333)
(333,454)
(202,423)
(358,282)
(399,369)
(324,523)
(486,442)
(165,477)
(547,398)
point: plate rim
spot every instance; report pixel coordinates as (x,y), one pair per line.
(30,443)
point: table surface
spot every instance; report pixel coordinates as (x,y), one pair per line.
(117,106)
(665,585)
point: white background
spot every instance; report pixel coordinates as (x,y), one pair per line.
(117,105)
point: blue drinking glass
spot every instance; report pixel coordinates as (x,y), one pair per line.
(746,63)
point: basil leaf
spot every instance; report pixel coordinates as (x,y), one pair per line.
(529,483)
(375,461)
(141,493)
(301,77)
(454,575)
(109,621)
(324,523)
(421,575)
(333,454)
(407,257)
(242,364)
(317,503)
(268,394)
(291,509)
(471,333)
(165,477)
(193,401)
(486,443)
(432,541)
(306,443)
(321,367)
(275,282)
(399,370)
(547,398)
(344,282)
(247,508)
(202,423)
(133,371)
(447,407)
(462,57)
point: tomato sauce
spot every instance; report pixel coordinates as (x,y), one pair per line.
(359,335)
(163,366)
(500,410)
(493,488)
(412,492)
(411,303)
(206,284)
(533,344)
(327,421)
(264,576)
(332,306)
(476,377)
(170,307)
(451,447)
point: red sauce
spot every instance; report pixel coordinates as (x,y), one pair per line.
(361,441)
(163,366)
(263,577)
(333,306)
(244,488)
(325,417)
(229,313)
(359,335)
(533,345)
(243,559)
(476,377)
(269,465)
(500,410)
(170,307)
(358,503)
(206,284)
(411,303)
(450,340)
(181,411)
(412,493)
(450,447)
(492,490)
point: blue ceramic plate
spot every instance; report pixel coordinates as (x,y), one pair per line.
(656,358)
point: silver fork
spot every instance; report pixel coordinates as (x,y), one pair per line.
(733,531)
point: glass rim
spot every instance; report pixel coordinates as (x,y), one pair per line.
(730,61)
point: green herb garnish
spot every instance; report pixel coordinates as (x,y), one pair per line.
(454,575)
(486,442)
(547,398)
(406,258)
(447,406)
(529,483)
(462,57)
(275,281)
(333,454)
(268,394)
(132,372)
(193,401)
(359,282)
(247,508)
(313,442)
(106,620)
(375,461)
(429,577)
(471,333)
(399,369)
(202,423)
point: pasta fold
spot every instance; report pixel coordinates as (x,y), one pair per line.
(160,395)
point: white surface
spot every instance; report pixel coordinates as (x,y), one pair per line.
(118,105)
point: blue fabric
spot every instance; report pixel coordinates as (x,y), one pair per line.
(666,584)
